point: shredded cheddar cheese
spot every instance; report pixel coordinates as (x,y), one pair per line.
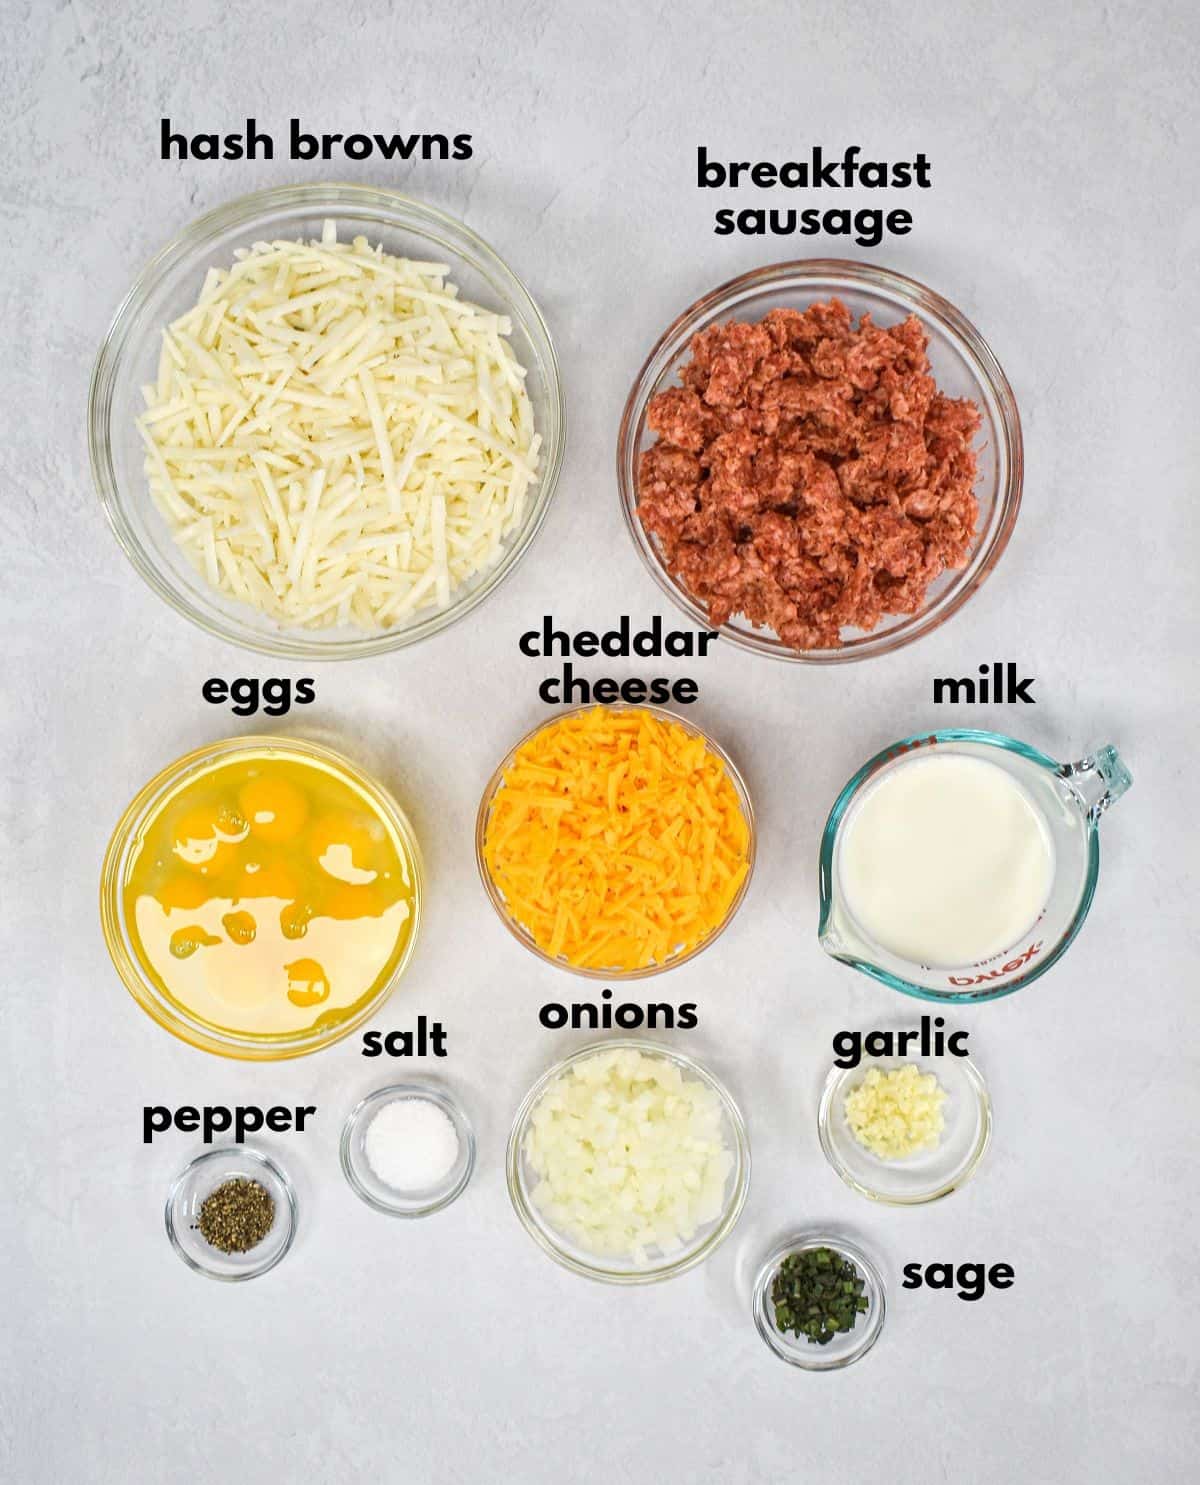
(617,839)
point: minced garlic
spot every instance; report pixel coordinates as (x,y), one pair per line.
(895,1114)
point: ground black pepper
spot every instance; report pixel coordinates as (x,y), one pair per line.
(236,1216)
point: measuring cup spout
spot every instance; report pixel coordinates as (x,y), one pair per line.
(1097,780)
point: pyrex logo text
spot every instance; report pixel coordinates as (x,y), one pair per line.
(997,974)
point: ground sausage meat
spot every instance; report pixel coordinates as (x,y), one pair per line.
(809,474)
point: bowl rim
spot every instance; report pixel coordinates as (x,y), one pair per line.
(788,1351)
(254,1158)
(116,939)
(492,787)
(835,1080)
(242,212)
(431,1090)
(922,300)
(543,1234)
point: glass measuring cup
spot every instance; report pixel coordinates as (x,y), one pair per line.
(1070,797)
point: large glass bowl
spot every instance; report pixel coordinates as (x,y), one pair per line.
(963,366)
(522,934)
(126,841)
(170,284)
(522,1181)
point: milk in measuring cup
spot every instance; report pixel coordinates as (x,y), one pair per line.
(945,861)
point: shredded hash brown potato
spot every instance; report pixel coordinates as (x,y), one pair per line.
(335,437)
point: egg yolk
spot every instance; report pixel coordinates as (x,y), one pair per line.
(308,983)
(187,893)
(343,848)
(230,824)
(185,941)
(347,903)
(294,919)
(274,808)
(264,877)
(199,842)
(240,927)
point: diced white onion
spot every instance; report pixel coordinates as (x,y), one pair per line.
(630,1155)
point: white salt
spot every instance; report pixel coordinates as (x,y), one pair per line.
(411,1144)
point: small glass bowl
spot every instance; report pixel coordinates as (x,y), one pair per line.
(196,1182)
(844,1348)
(930,1174)
(963,365)
(378,1194)
(127,839)
(606,1269)
(522,935)
(169,285)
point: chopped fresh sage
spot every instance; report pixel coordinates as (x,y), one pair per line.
(818,1294)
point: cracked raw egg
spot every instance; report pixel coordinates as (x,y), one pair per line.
(270,894)
(274,808)
(343,846)
(199,842)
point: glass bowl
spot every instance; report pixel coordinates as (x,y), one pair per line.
(169,285)
(963,365)
(191,1188)
(930,1174)
(522,935)
(389,1199)
(118,860)
(844,1348)
(564,1250)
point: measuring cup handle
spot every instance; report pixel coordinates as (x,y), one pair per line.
(1097,780)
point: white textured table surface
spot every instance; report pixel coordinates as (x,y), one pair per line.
(1063,220)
